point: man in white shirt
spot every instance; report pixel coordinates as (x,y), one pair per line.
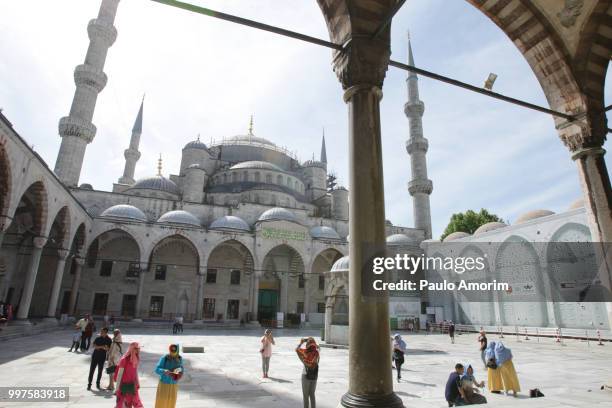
(82,325)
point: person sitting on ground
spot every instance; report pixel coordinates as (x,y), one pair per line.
(453,391)
(494,379)
(469,386)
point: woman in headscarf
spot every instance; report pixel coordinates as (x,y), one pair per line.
(494,378)
(112,358)
(399,349)
(470,385)
(170,370)
(503,357)
(126,376)
(309,356)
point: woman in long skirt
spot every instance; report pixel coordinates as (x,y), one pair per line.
(503,357)
(126,376)
(170,370)
(112,358)
(494,378)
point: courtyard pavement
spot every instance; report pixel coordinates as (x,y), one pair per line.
(228,373)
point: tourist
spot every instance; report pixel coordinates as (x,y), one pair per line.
(178,325)
(101,345)
(112,322)
(309,356)
(76,339)
(82,325)
(114,355)
(482,340)
(89,331)
(494,378)
(503,358)
(267,341)
(399,349)
(453,392)
(170,370)
(470,386)
(126,377)
(451,331)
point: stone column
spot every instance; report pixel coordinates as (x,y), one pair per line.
(255,295)
(57,282)
(5,282)
(284,295)
(30,281)
(141,279)
(329,307)
(5,223)
(200,298)
(361,68)
(307,282)
(76,282)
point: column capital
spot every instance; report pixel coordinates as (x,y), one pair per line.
(62,253)
(79,261)
(588,151)
(39,242)
(363,61)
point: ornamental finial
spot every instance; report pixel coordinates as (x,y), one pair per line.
(159,165)
(251,126)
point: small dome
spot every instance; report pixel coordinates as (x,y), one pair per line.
(230,222)
(196,144)
(399,239)
(156,183)
(579,203)
(341,265)
(247,139)
(324,232)
(180,217)
(256,165)
(532,215)
(489,226)
(278,214)
(125,211)
(456,235)
(86,186)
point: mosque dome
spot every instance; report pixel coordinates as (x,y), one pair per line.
(256,165)
(341,265)
(86,186)
(278,214)
(579,203)
(489,226)
(456,235)
(156,183)
(179,217)
(125,211)
(230,222)
(247,139)
(532,215)
(399,239)
(196,144)
(324,232)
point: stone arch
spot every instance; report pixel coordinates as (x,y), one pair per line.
(114,227)
(5,184)
(172,240)
(59,230)
(235,246)
(77,242)
(34,197)
(479,309)
(517,263)
(115,245)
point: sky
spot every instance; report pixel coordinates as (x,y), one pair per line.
(206,76)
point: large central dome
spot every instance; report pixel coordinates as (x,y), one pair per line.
(247,139)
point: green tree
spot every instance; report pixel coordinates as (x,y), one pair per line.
(469,221)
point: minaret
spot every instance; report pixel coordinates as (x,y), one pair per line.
(323,151)
(76,129)
(131,153)
(420,187)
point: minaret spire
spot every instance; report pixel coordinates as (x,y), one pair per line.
(323,151)
(251,126)
(159,165)
(420,187)
(76,129)
(132,154)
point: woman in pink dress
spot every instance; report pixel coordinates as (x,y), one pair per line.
(266,351)
(126,376)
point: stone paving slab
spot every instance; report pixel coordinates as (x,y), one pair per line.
(228,375)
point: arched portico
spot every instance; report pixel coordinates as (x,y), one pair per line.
(316,283)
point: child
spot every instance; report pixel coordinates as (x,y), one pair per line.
(76,339)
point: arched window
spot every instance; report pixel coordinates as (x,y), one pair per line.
(269,178)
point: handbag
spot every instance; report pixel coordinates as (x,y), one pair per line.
(128,388)
(110,369)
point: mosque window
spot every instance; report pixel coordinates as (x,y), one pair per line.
(320,307)
(301,281)
(160,272)
(269,178)
(211,276)
(209,308)
(233,309)
(235,277)
(321,282)
(106,268)
(156,307)
(100,303)
(300,307)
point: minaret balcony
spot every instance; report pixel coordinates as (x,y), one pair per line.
(131,154)
(414,108)
(417,145)
(86,75)
(101,30)
(420,186)
(72,126)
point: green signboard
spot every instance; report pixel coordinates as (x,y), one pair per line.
(275,233)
